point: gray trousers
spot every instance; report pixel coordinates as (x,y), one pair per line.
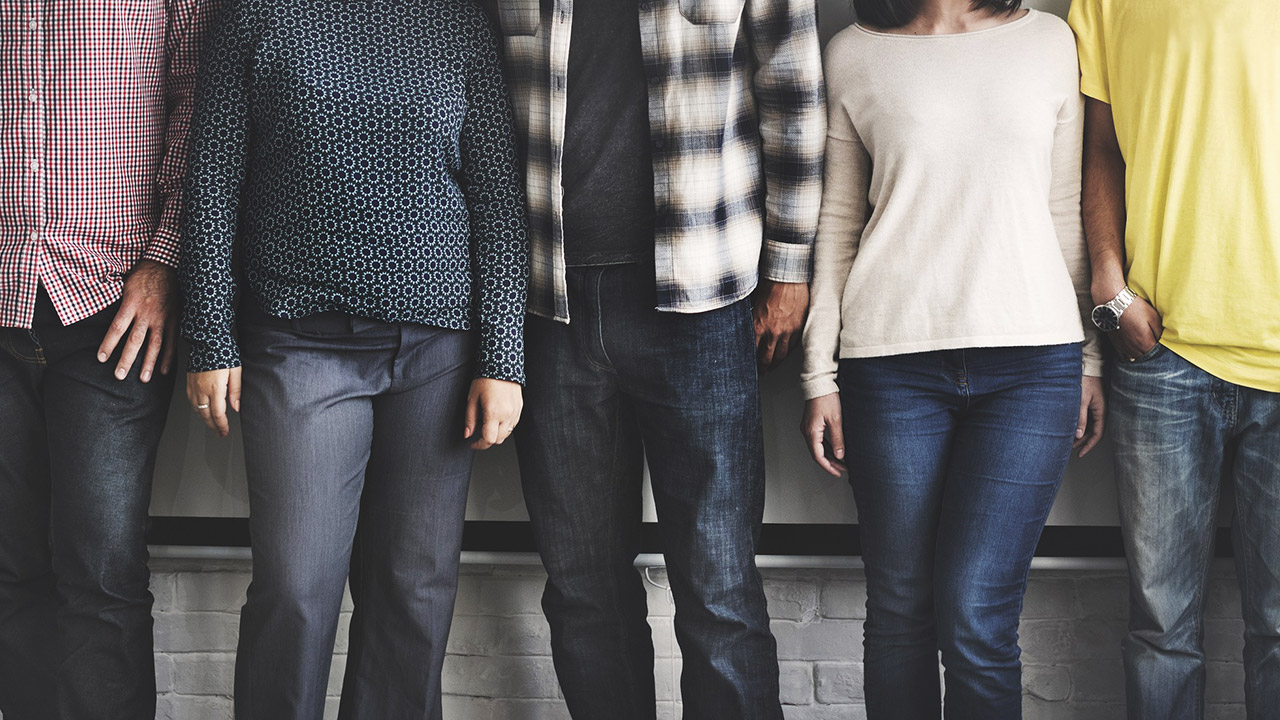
(356,466)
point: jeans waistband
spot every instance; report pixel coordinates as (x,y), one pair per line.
(327,322)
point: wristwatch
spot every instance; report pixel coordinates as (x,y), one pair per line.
(1107,315)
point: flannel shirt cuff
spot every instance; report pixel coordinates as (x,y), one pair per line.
(787,262)
(163,248)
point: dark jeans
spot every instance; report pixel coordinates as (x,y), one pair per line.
(1179,434)
(77,449)
(356,462)
(621,383)
(955,458)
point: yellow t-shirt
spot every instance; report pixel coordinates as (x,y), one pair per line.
(1194,87)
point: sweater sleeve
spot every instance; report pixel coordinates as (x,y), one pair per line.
(843,217)
(493,184)
(1068,222)
(219,137)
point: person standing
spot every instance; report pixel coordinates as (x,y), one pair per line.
(946,364)
(1182,213)
(674,152)
(94,121)
(356,252)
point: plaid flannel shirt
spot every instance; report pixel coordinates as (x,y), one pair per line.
(737,123)
(95,107)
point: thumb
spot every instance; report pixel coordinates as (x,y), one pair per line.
(473,406)
(233,389)
(835,430)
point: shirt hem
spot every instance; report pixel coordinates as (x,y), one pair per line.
(1197,355)
(960,343)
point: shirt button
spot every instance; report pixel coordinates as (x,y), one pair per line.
(35,235)
(34,97)
(35,165)
(34,24)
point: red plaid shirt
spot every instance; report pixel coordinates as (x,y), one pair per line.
(95,104)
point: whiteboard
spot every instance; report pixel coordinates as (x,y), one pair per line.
(199,474)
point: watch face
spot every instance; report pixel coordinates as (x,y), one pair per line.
(1106,319)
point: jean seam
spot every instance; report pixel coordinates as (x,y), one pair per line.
(9,348)
(584,336)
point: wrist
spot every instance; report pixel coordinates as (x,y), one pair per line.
(1106,286)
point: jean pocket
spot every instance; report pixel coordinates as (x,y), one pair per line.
(711,12)
(1148,355)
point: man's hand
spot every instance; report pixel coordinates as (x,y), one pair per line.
(210,393)
(1140,330)
(823,432)
(493,410)
(148,314)
(1093,413)
(779,310)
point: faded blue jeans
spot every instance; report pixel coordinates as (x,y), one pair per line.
(1180,433)
(624,382)
(955,459)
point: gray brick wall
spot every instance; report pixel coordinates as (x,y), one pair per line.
(499,665)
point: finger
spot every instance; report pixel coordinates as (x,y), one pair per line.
(1097,426)
(757,324)
(835,437)
(780,350)
(814,436)
(504,432)
(155,343)
(132,346)
(218,411)
(233,389)
(116,330)
(491,432)
(202,405)
(764,350)
(170,337)
(1082,421)
(472,416)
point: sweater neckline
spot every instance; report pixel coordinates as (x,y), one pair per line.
(1025,19)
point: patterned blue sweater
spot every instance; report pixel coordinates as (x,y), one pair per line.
(355,156)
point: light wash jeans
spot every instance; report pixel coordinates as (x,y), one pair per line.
(1179,433)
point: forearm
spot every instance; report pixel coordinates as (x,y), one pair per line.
(1104,202)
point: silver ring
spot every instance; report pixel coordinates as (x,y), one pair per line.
(203,407)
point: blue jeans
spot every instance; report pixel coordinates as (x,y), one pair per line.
(621,383)
(1180,433)
(356,465)
(955,458)
(77,450)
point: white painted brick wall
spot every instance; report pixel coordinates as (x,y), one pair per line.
(499,665)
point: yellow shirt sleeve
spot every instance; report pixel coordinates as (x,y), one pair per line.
(1086,19)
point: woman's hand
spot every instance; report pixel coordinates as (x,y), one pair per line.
(1093,412)
(211,392)
(493,409)
(824,433)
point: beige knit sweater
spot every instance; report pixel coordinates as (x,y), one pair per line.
(951,207)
